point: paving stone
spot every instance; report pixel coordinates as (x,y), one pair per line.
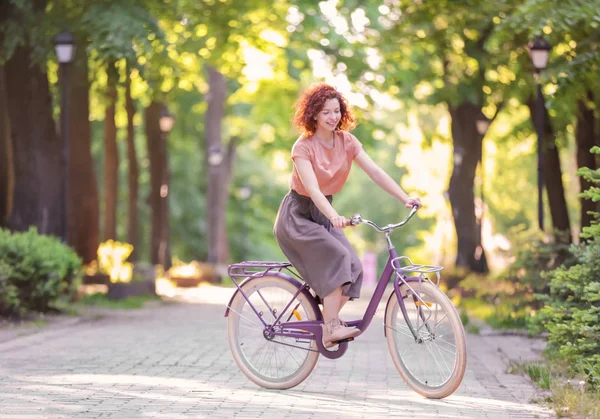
(173,361)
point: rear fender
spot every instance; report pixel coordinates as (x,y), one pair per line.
(293,281)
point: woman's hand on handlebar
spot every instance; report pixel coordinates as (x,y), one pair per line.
(339,221)
(413,202)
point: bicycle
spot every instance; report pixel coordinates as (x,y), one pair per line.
(275,334)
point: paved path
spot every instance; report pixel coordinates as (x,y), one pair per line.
(173,361)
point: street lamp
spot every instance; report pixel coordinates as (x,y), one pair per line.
(245,195)
(245,192)
(482,123)
(215,155)
(539,49)
(64,45)
(166,121)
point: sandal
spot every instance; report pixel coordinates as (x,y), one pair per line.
(335,331)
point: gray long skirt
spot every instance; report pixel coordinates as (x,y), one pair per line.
(321,254)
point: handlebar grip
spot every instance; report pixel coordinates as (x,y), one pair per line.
(356,219)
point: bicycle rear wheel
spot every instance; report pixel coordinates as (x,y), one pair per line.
(434,364)
(270,361)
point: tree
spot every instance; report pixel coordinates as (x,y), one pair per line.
(438,62)
(219,164)
(572,30)
(587,136)
(111,154)
(83,188)
(6,157)
(157,152)
(36,147)
(119,34)
(220,36)
(133,168)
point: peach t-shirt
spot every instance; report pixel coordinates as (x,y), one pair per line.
(331,165)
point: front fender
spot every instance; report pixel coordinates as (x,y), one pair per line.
(293,281)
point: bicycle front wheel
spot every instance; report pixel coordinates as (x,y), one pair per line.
(268,360)
(432,364)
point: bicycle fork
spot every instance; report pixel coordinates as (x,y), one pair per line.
(419,303)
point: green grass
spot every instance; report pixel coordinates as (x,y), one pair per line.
(472,329)
(567,399)
(539,374)
(226,282)
(101,300)
(502,315)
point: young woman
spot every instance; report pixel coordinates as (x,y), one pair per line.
(308,229)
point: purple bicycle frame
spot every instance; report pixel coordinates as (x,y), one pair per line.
(312,329)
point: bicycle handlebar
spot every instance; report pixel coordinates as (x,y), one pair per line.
(357,219)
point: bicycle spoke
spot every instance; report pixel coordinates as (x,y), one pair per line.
(452,346)
(438,322)
(437,349)
(432,360)
(251,321)
(273,359)
(409,335)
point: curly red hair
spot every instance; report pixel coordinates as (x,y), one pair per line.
(312,102)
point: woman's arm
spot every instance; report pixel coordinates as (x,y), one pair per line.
(309,180)
(383,180)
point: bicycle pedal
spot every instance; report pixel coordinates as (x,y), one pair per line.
(344,340)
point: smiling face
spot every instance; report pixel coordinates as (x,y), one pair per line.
(329,117)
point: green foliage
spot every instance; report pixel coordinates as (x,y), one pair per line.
(121,29)
(539,374)
(25,22)
(507,300)
(101,300)
(535,255)
(572,310)
(593,193)
(35,272)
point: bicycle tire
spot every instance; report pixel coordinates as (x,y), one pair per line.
(435,344)
(259,368)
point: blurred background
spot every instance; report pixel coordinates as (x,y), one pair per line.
(158,132)
(145,145)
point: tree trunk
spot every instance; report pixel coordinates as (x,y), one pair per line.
(467,153)
(219,164)
(159,187)
(553,179)
(111,155)
(38,171)
(584,137)
(6,157)
(83,189)
(133,170)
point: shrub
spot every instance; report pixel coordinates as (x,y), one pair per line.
(572,310)
(35,272)
(536,253)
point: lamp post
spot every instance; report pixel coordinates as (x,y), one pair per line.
(215,156)
(166,122)
(482,124)
(64,46)
(539,49)
(245,195)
